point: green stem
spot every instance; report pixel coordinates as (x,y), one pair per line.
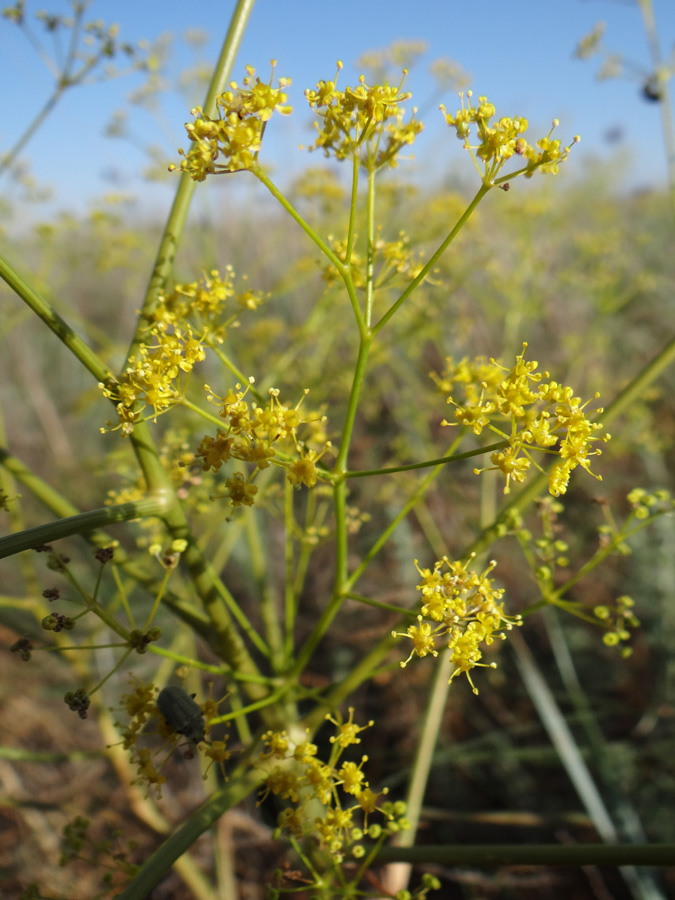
(54,321)
(261,175)
(176,221)
(340,510)
(622,537)
(11,155)
(290,604)
(357,383)
(352,209)
(362,473)
(52,499)
(191,615)
(388,531)
(370,252)
(241,378)
(204,414)
(340,267)
(81,524)
(361,672)
(663,77)
(428,737)
(365,667)
(263,582)
(482,191)
(156,867)
(220,605)
(376,604)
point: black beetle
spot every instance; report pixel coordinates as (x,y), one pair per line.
(182,713)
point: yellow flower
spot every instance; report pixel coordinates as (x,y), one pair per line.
(277,745)
(214,451)
(364,122)
(352,777)
(464,608)
(232,141)
(498,142)
(539,416)
(303,470)
(240,491)
(422,638)
(347,731)
(513,466)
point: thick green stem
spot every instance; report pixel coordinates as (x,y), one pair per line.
(178,215)
(54,321)
(156,867)
(212,592)
(82,523)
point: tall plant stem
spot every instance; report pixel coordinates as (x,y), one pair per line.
(200,821)
(186,188)
(11,155)
(80,523)
(212,592)
(65,78)
(665,105)
(53,321)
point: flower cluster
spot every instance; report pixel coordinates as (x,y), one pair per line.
(203,303)
(232,141)
(501,140)
(460,610)
(616,620)
(261,435)
(337,789)
(368,119)
(152,377)
(544,417)
(141,706)
(650,503)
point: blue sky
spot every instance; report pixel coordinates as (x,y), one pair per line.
(519,53)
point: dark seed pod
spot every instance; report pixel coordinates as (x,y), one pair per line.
(181,713)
